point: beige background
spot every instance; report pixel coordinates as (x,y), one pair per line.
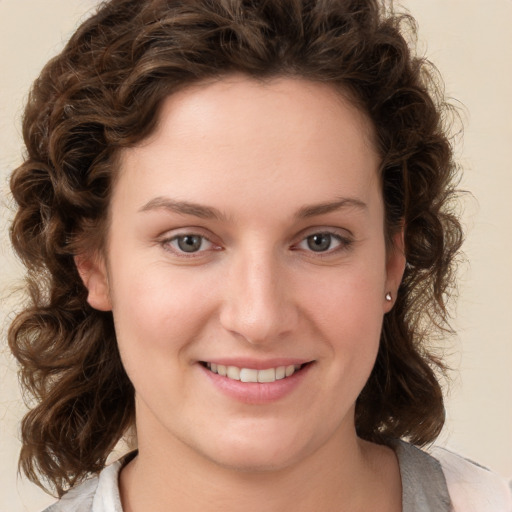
(471,42)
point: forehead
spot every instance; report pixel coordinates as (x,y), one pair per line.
(242,89)
(303,107)
(254,138)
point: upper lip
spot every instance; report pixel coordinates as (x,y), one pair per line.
(257,364)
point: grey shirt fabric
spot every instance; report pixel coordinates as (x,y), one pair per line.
(424,486)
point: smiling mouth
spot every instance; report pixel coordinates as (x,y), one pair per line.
(253,375)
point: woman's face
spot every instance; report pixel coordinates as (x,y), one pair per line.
(247,237)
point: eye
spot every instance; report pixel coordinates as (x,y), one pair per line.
(324,242)
(319,242)
(188,243)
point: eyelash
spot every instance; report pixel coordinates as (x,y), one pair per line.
(167,244)
(344,244)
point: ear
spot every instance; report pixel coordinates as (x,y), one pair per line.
(93,271)
(395,267)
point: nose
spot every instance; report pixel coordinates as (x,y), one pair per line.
(258,302)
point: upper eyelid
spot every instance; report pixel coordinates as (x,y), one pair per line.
(343,233)
(171,234)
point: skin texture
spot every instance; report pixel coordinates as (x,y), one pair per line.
(259,155)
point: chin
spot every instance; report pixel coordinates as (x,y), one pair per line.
(260,452)
(253,459)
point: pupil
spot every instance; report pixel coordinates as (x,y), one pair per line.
(320,242)
(189,243)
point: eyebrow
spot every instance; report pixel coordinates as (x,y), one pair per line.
(321,209)
(183,207)
(209,212)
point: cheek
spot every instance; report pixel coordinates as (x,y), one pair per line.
(157,310)
(350,296)
(347,307)
(156,320)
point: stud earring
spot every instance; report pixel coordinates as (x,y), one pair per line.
(388,296)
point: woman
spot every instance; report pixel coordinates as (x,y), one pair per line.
(236,220)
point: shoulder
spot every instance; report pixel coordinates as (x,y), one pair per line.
(472,487)
(423,482)
(78,499)
(99,493)
(439,477)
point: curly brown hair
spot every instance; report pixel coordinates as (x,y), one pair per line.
(102,93)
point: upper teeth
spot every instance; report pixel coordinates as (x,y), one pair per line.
(252,375)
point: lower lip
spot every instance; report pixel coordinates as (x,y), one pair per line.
(256,393)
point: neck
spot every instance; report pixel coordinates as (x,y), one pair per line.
(338,476)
